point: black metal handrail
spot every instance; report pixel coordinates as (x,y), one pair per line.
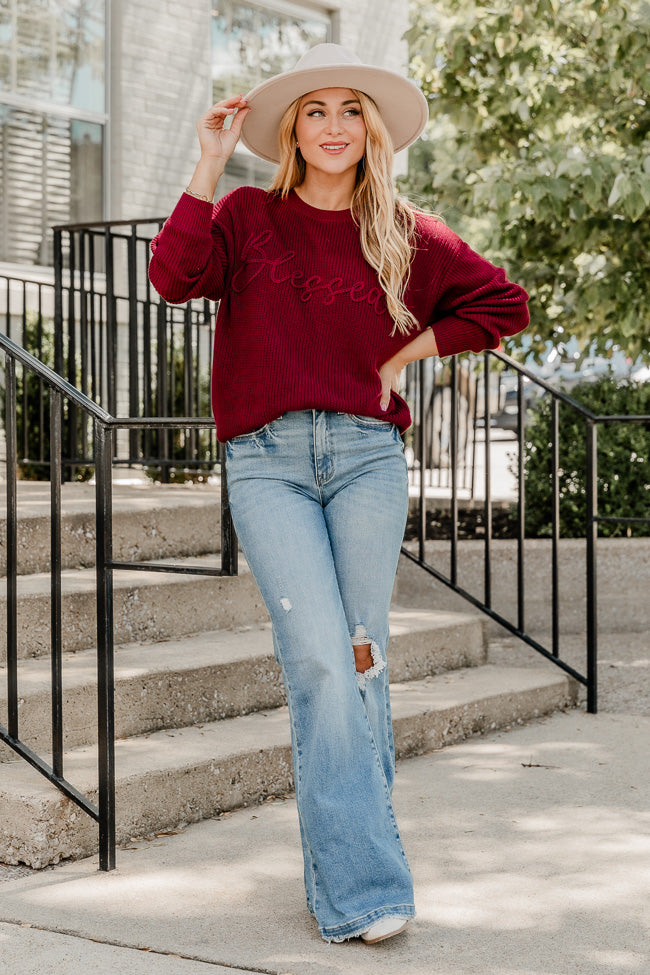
(484,602)
(62,393)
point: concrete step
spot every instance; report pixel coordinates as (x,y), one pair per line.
(148,606)
(170,778)
(150,521)
(213,676)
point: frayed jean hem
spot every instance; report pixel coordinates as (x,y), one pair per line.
(353,929)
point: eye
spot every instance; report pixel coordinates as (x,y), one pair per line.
(352,111)
(315,112)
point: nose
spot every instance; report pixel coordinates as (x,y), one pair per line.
(334,125)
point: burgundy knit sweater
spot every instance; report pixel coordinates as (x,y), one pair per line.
(302,321)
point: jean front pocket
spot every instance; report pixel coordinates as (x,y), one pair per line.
(258,434)
(370,422)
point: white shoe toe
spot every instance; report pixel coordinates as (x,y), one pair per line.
(385,927)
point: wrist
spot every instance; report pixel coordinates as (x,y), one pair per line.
(400,361)
(203,183)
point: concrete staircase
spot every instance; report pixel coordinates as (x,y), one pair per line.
(201,720)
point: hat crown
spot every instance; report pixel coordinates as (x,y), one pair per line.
(325,56)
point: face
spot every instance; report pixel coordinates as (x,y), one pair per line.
(330,130)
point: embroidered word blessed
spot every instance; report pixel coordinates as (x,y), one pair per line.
(255,260)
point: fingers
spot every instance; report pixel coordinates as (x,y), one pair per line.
(222,109)
(232,102)
(390,380)
(386,386)
(238,121)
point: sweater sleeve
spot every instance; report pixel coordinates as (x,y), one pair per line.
(190,253)
(476,305)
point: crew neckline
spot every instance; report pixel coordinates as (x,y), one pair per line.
(315,213)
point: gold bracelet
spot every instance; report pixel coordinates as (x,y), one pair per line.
(199,196)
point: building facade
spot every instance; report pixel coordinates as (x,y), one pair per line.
(99,98)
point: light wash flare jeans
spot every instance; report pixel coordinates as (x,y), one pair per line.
(319,502)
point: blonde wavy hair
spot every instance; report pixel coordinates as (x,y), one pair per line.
(386,222)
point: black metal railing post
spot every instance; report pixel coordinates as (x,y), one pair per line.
(521,520)
(453,448)
(23,437)
(70,368)
(592,536)
(555,528)
(229,544)
(105,648)
(134,338)
(56,472)
(11,436)
(420,449)
(162,391)
(58,301)
(111,323)
(487,427)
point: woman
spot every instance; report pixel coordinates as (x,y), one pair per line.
(328,287)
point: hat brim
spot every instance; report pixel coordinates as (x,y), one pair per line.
(401,104)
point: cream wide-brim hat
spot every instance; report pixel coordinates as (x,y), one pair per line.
(401,104)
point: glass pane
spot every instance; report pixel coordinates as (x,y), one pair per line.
(54,50)
(251,43)
(87,172)
(6,42)
(33,55)
(80,77)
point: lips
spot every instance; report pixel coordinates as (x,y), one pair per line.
(334,146)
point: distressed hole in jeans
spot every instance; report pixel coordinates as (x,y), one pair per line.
(371,663)
(285,603)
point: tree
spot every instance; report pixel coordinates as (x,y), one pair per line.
(541,129)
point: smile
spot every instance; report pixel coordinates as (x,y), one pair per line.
(334,146)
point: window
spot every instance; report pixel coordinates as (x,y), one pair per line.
(52,118)
(250,42)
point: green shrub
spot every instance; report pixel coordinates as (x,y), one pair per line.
(182,446)
(623,461)
(33,407)
(33,403)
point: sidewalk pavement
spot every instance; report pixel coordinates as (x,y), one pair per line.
(530,850)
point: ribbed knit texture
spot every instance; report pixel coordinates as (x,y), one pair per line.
(302,321)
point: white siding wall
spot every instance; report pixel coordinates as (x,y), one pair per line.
(160,86)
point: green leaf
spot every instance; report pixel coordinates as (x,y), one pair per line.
(643,184)
(634,205)
(592,189)
(570,167)
(619,190)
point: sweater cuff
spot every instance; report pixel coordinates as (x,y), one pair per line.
(192,215)
(185,240)
(455,335)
